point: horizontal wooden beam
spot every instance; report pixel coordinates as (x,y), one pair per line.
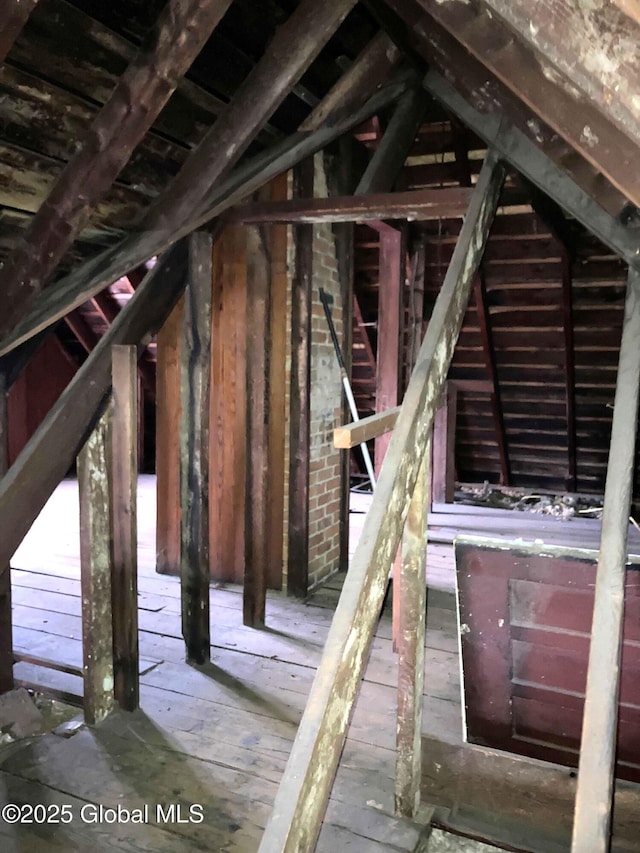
(444,203)
(110,265)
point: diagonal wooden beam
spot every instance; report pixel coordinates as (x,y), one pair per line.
(594,792)
(484,319)
(367,72)
(50,452)
(15,14)
(521,153)
(94,275)
(305,785)
(80,328)
(142,91)
(294,47)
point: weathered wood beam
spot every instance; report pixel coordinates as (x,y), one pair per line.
(410,588)
(182,29)
(630,8)
(14,16)
(443,473)
(124,487)
(352,435)
(368,71)
(96,274)
(300,393)
(484,320)
(594,792)
(391,153)
(305,785)
(95,572)
(545,89)
(530,161)
(6,628)
(49,454)
(569,367)
(295,45)
(580,42)
(195,359)
(446,203)
(257,533)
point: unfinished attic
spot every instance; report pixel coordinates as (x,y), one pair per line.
(301,303)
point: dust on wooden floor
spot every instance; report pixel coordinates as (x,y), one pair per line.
(219,735)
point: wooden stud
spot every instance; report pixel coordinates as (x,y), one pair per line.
(305,785)
(444,443)
(49,454)
(410,587)
(94,275)
(96,562)
(389,326)
(257,433)
(569,367)
(594,792)
(124,486)
(168,443)
(6,632)
(194,450)
(299,411)
(182,29)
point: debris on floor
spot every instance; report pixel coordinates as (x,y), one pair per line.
(19,716)
(564,506)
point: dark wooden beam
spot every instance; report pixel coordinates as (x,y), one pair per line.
(195,359)
(295,45)
(545,89)
(50,452)
(390,155)
(594,792)
(300,391)
(518,150)
(96,560)
(388,357)
(182,29)
(367,72)
(84,334)
(484,320)
(444,203)
(6,631)
(302,796)
(569,367)
(124,486)
(94,275)
(257,532)
(14,16)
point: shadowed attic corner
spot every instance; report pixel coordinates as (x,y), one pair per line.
(194,568)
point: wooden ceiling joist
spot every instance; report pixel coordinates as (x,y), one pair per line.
(100,271)
(15,14)
(141,93)
(449,202)
(294,47)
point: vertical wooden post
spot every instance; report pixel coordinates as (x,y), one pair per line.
(168,443)
(95,572)
(592,820)
(6,632)
(299,442)
(411,589)
(256,536)
(444,443)
(389,343)
(194,449)
(569,365)
(124,482)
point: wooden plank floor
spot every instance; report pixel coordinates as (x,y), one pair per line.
(217,736)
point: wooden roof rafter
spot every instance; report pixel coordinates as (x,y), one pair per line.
(14,17)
